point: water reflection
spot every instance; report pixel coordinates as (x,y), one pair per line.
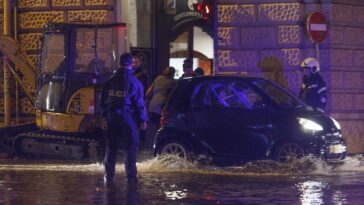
(339,198)
(174,192)
(115,193)
(311,192)
(169,181)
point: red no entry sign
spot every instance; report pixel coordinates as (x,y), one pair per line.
(317,28)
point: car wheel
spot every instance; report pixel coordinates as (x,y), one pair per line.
(175,147)
(288,152)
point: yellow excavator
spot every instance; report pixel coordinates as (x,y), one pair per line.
(74,60)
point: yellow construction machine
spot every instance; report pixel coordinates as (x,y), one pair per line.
(74,60)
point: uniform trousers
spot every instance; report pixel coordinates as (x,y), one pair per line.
(122,131)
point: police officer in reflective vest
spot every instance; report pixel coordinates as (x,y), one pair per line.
(313,90)
(124,110)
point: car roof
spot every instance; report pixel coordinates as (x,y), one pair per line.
(197,79)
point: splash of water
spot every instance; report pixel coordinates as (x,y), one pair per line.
(351,164)
(308,165)
(305,166)
(168,163)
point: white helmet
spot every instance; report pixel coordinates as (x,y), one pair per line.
(311,63)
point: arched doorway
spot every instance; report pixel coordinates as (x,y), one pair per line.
(191,42)
(183,31)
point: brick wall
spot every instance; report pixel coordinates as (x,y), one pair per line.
(267,38)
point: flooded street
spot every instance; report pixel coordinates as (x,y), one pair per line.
(170,181)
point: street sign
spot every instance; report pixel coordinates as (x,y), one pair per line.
(317,27)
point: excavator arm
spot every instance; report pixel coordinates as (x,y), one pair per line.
(15,56)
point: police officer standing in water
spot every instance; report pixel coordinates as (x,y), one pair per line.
(313,90)
(123,108)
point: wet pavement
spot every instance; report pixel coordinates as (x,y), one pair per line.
(172,181)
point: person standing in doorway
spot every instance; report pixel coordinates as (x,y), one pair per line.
(123,108)
(139,73)
(199,71)
(187,68)
(313,90)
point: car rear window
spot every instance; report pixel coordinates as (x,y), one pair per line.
(180,97)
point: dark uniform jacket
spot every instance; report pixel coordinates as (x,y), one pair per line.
(124,93)
(314,91)
(142,76)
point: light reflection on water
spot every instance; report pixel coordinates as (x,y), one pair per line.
(173,181)
(311,192)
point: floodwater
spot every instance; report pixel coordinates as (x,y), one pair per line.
(173,181)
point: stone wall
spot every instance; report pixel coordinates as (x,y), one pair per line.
(347,69)
(267,38)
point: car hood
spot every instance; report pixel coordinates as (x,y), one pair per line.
(324,120)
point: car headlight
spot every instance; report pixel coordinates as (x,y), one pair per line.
(336,123)
(309,125)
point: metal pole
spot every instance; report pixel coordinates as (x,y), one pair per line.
(317,51)
(7,100)
(17,103)
(215,67)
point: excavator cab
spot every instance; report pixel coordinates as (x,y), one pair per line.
(74,62)
(75,59)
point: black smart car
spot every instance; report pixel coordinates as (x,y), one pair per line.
(235,119)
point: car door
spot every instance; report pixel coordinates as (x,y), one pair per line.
(228,117)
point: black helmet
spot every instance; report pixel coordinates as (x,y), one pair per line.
(126,59)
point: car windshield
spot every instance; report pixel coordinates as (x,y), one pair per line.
(282,97)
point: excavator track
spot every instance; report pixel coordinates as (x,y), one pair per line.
(41,144)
